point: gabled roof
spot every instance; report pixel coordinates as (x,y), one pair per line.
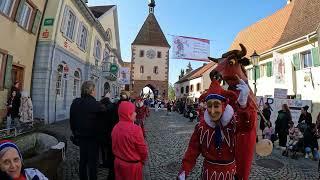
(98,11)
(264,34)
(151,33)
(304,19)
(196,73)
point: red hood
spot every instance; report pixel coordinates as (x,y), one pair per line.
(125,110)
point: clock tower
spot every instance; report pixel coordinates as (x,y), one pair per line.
(150,58)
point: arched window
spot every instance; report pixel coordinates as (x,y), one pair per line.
(141,69)
(155,70)
(198,87)
(59,82)
(187,89)
(191,88)
(109,36)
(76,84)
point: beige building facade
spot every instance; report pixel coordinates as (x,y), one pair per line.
(76,43)
(19,22)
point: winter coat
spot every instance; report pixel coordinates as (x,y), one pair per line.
(282,122)
(128,146)
(13,105)
(266,113)
(86,117)
(26,110)
(306,118)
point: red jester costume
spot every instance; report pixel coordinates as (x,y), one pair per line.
(142,112)
(215,135)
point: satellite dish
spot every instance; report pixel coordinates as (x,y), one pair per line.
(264,147)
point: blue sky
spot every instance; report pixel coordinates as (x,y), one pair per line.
(216,20)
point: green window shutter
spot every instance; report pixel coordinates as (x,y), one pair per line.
(20,7)
(257,72)
(36,22)
(296,61)
(269,69)
(7,76)
(315,56)
(252,73)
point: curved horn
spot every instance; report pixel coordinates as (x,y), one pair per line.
(213,59)
(243,51)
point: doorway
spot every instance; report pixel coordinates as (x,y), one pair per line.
(17,74)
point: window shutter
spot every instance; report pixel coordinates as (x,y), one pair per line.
(315,56)
(257,72)
(64,20)
(20,7)
(296,61)
(269,69)
(79,34)
(75,29)
(36,22)
(252,73)
(7,77)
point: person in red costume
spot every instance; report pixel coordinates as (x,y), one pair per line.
(142,113)
(128,145)
(215,135)
(202,105)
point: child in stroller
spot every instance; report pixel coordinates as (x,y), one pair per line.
(295,141)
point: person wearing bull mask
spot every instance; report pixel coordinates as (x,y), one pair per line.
(214,136)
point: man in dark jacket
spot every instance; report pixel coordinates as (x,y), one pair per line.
(109,121)
(86,126)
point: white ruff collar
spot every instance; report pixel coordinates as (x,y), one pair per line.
(225,119)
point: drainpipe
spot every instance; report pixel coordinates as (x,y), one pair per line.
(51,71)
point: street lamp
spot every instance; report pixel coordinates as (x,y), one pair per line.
(255,60)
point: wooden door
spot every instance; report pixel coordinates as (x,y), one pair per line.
(17,74)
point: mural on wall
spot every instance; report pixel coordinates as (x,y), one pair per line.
(278,68)
(124,76)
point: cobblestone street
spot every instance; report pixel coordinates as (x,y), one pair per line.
(168,137)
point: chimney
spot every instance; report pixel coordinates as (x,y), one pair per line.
(289,1)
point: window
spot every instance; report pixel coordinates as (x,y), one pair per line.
(148,77)
(141,53)
(97,50)
(141,69)
(76,84)
(198,87)
(126,87)
(82,37)
(306,59)
(263,70)
(24,16)
(69,23)
(109,36)
(2,68)
(6,6)
(159,54)
(155,70)
(187,89)
(182,90)
(191,88)
(59,83)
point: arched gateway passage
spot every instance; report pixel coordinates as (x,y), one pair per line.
(148,92)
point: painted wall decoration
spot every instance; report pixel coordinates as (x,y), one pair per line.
(190,48)
(124,76)
(279,68)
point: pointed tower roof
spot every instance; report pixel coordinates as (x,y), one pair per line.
(151,33)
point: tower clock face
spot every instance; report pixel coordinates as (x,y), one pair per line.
(151,54)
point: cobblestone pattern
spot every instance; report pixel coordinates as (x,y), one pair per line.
(168,138)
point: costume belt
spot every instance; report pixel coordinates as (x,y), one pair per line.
(128,161)
(220,162)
